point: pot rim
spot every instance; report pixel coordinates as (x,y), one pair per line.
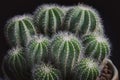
(115,74)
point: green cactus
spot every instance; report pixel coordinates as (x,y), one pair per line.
(48,19)
(87,69)
(19,30)
(37,49)
(15,65)
(66,49)
(82,19)
(96,46)
(45,72)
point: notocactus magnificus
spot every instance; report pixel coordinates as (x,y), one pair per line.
(87,69)
(37,49)
(48,19)
(19,30)
(96,46)
(45,72)
(66,49)
(15,65)
(81,19)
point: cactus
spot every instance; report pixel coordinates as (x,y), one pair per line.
(48,19)
(19,30)
(81,20)
(15,65)
(45,72)
(96,46)
(66,49)
(87,69)
(37,49)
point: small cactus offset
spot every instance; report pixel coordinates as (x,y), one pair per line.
(66,49)
(81,20)
(19,30)
(37,49)
(45,72)
(48,19)
(86,69)
(15,65)
(96,46)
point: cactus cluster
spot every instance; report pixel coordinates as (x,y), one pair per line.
(56,43)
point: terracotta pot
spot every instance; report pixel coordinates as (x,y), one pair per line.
(114,69)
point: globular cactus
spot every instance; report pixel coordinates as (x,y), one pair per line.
(45,72)
(86,69)
(96,46)
(48,19)
(81,20)
(66,49)
(15,65)
(37,49)
(19,30)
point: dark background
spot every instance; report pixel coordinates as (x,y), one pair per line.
(108,9)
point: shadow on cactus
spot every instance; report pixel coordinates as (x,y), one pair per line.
(76,40)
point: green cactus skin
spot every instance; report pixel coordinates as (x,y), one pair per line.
(87,69)
(15,65)
(45,72)
(81,20)
(19,30)
(66,49)
(37,49)
(48,19)
(96,46)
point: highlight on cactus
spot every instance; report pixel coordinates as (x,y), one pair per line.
(82,19)
(66,49)
(15,65)
(86,69)
(37,49)
(96,46)
(19,30)
(45,72)
(48,19)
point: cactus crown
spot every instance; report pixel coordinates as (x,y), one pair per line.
(46,72)
(63,49)
(87,69)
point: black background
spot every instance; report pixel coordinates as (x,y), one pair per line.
(108,9)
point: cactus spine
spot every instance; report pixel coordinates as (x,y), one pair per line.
(19,30)
(15,65)
(66,50)
(48,19)
(45,72)
(81,20)
(37,49)
(96,46)
(87,69)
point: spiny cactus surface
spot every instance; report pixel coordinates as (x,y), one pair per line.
(19,30)
(87,69)
(37,49)
(81,19)
(15,65)
(66,49)
(48,19)
(45,72)
(96,46)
